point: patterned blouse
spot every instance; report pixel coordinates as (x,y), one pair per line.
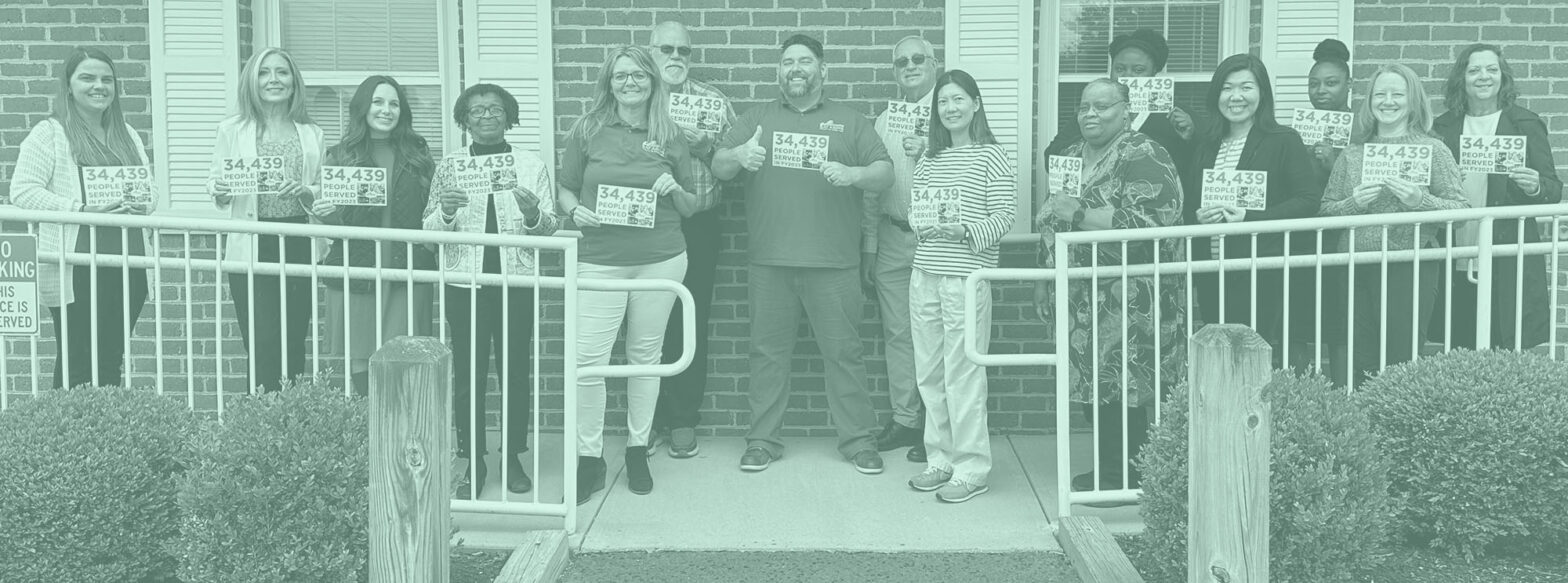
(270,204)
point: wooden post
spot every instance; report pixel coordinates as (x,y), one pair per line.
(1228,456)
(410,507)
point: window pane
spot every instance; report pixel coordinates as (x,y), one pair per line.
(362,35)
(328,105)
(1191,29)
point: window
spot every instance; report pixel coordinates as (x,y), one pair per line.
(337,43)
(1199,33)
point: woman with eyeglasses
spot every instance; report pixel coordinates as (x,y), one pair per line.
(379,134)
(93,308)
(625,157)
(1391,313)
(1129,182)
(272,122)
(1140,53)
(475,311)
(1243,135)
(1481,98)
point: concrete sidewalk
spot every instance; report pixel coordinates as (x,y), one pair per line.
(812,499)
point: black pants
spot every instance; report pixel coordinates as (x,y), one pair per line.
(1407,320)
(1109,436)
(680,396)
(79,340)
(279,354)
(1533,322)
(475,335)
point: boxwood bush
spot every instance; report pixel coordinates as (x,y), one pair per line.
(1329,505)
(87,485)
(278,491)
(1479,445)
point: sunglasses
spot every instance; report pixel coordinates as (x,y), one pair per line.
(902,62)
(672,49)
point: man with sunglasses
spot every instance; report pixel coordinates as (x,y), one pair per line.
(888,249)
(680,396)
(803,234)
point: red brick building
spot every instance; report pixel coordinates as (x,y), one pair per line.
(176,59)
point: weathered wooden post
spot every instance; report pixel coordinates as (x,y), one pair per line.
(410,481)
(1228,457)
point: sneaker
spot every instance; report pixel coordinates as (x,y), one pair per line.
(868,461)
(930,480)
(683,442)
(756,459)
(654,439)
(958,491)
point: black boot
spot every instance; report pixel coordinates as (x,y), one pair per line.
(517,481)
(638,479)
(361,382)
(590,477)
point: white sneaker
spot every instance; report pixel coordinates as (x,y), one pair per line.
(930,480)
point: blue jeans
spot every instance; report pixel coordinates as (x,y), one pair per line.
(833,301)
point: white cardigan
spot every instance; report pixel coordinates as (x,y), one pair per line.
(460,261)
(47,179)
(237,139)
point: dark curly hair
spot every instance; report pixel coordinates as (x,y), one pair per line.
(1454,90)
(508,103)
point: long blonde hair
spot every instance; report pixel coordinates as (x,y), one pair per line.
(249,99)
(660,128)
(1420,118)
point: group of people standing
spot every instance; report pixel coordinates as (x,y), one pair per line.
(829,201)
(1127,343)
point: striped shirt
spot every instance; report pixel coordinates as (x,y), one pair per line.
(985,175)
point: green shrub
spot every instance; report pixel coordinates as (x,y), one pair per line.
(1479,445)
(1329,507)
(87,485)
(278,491)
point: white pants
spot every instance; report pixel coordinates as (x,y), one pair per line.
(599,315)
(953,387)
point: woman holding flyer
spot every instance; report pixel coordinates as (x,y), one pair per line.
(1328,88)
(1129,182)
(1137,55)
(380,134)
(93,309)
(265,167)
(1481,107)
(490,187)
(1392,124)
(624,181)
(1247,167)
(962,156)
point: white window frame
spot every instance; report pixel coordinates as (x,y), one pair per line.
(267,32)
(1235,37)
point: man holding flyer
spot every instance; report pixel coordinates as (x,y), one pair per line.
(703,114)
(804,227)
(888,247)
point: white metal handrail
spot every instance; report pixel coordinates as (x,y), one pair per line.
(1484,251)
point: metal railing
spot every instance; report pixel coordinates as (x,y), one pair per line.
(1487,254)
(189,336)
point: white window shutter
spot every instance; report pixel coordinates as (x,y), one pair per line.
(507,43)
(195,68)
(993,40)
(1292,29)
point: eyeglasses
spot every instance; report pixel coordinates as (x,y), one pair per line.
(1098,109)
(671,49)
(918,60)
(638,76)
(482,112)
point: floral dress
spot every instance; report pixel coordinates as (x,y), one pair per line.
(1137,181)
